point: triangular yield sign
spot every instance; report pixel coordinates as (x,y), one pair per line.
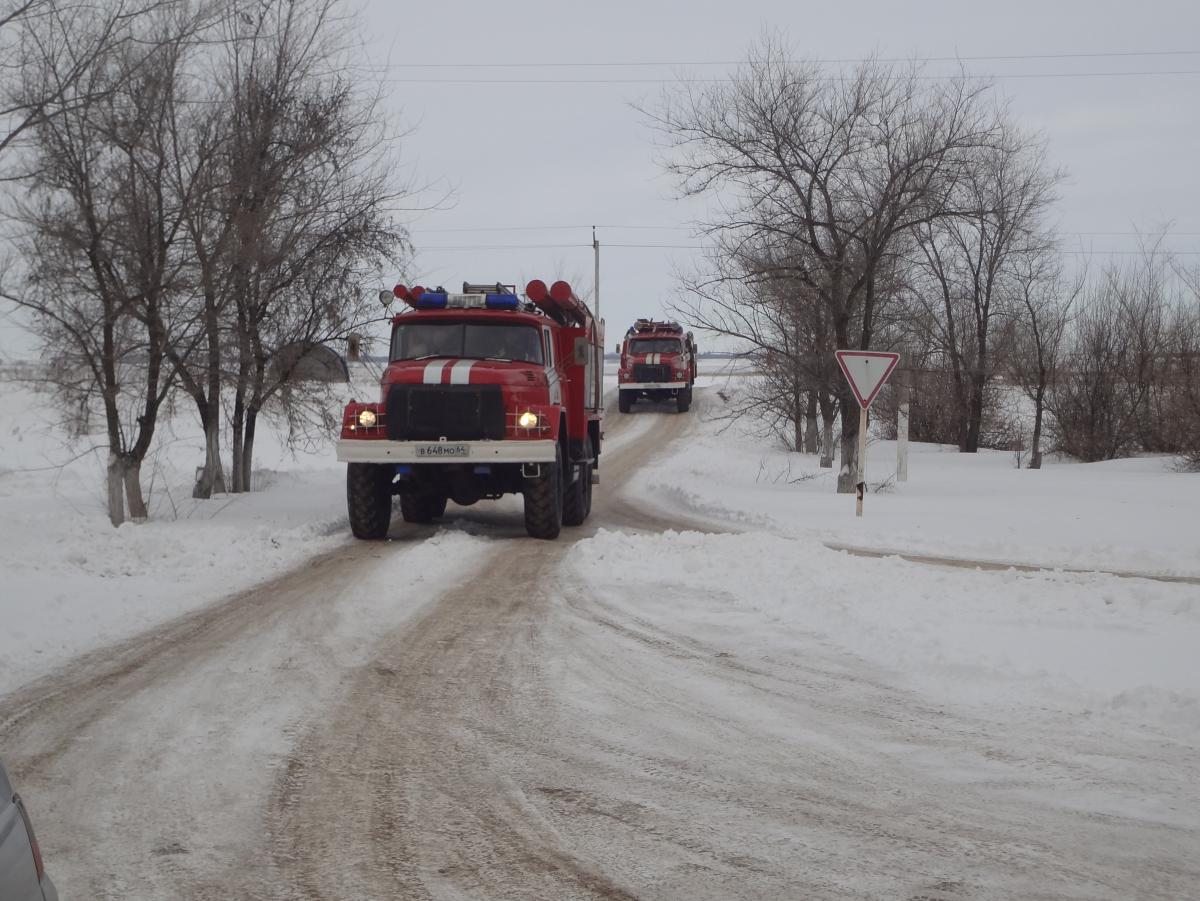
(866,371)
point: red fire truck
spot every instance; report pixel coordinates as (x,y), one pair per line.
(486,393)
(658,362)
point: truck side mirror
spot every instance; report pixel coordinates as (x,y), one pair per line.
(385,298)
(617,350)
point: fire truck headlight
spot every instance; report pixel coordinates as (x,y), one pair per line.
(367,418)
(528,420)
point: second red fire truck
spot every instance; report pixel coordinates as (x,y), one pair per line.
(658,362)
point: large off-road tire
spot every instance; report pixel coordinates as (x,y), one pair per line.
(369,499)
(577,495)
(624,401)
(422,507)
(544,500)
(683,400)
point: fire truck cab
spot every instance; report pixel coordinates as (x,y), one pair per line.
(658,362)
(486,393)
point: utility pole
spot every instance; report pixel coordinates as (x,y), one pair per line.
(596,278)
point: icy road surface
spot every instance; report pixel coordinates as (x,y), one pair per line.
(464,713)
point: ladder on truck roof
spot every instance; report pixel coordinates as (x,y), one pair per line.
(497,288)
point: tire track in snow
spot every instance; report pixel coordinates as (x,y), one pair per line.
(413,789)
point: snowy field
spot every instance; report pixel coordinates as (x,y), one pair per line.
(1050,646)
(1135,515)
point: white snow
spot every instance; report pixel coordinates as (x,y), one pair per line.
(1087,644)
(73,583)
(1135,515)
(1073,691)
(1020,645)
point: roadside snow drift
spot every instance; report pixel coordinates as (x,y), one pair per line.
(1023,645)
(1129,515)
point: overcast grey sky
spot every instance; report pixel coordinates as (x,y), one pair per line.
(547,160)
(561,156)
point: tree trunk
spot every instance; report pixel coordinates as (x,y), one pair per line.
(1035,447)
(970,443)
(825,401)
(797,416)
(213,477)
(248,448)
(848,471)
(239,419)
(242,390)
(116,486)
(810,424)
(133,491)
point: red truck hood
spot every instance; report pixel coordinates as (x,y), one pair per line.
(452,371)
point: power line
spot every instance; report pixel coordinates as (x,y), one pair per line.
(551,82)
(686,228)
(611,64)
(441,247)
(534,228)
(636,246)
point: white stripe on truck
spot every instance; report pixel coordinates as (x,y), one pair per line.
(460,372)
(433,372)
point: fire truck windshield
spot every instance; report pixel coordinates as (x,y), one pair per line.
(654,346)
(473,340)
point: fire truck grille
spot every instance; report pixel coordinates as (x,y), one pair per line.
(645,372)
(453,412)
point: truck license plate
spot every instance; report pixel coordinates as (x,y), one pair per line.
(442,449)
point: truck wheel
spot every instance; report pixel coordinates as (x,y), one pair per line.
(422,507)
(577,496)
(369,499)
(544,500)
(683,400)
(625,401)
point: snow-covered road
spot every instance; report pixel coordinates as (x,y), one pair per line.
(463,713)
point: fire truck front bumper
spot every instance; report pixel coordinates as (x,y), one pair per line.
(651,386)
(375,450)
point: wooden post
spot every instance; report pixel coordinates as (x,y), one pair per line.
(862,460)
(902,434)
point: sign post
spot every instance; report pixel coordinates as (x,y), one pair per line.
(866,371)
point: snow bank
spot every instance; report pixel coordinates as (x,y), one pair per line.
(1021,644)
(1134,515)
(73,583)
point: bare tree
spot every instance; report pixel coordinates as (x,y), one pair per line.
(66,37)
(1102,400)
(790,344)
(972,257)
(103,240)
(308,199)
(1185,369)
(1047,298)
(846,166)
